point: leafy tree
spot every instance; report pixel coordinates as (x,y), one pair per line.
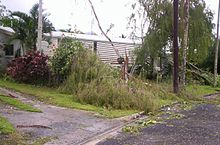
(159,34)
(200,31)
(25,26)
(3,11)
(62,59)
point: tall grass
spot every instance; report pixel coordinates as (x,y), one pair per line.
(93,82)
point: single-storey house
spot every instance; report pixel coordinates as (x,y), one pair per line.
(8,49)
(100,45)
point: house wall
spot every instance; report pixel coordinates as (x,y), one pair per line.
(105,51)
(4,60)
(108,55)
(3,38)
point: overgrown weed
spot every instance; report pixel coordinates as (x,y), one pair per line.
(93,82)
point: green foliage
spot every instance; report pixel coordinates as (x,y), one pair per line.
(200,31)
(114,94)
(208,64)
(18,104)
(25,26)
(93,82)
(86,67)
(200,90)
(54,97)
(5,126)
(131,129)
(147,123)
(3,10)
(159,35)
(8,134)
(62,60)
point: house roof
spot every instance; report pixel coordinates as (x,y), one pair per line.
(87,37)
(7,30)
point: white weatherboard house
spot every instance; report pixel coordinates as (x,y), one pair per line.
(100,45)
(8,49)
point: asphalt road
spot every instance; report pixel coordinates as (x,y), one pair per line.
(200,126)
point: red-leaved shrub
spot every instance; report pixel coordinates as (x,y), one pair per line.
(30,68)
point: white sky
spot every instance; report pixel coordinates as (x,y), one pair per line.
(78,12)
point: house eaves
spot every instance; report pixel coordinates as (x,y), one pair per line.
(87,37)
(7,30)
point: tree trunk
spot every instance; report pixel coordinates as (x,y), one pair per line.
(185,39)
(216,51)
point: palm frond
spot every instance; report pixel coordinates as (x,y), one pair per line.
(34,11)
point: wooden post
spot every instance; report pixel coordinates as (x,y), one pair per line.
(95,47)
(175,47)
(126,67)
(39,30)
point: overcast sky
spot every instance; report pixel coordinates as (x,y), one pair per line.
(78,13)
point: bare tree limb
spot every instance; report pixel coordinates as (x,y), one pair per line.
(99,25)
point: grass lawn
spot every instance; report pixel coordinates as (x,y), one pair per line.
(8,134)
(199,91)
(18,104)
(54,97)
(5,126)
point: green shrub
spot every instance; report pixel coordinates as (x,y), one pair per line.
(62,59)
(85,68)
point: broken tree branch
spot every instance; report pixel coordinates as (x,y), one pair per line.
(99,25)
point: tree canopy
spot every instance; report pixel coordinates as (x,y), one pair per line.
(3,10)
(157,40)
(25,25)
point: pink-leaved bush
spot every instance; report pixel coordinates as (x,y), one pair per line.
(30,68)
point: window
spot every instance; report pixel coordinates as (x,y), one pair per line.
(9,50)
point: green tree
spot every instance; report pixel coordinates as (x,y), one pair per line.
(159,34)
(62,59)
(200,31)
(25,26)
(3,11)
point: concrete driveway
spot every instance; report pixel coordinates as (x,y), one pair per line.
(68,126)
